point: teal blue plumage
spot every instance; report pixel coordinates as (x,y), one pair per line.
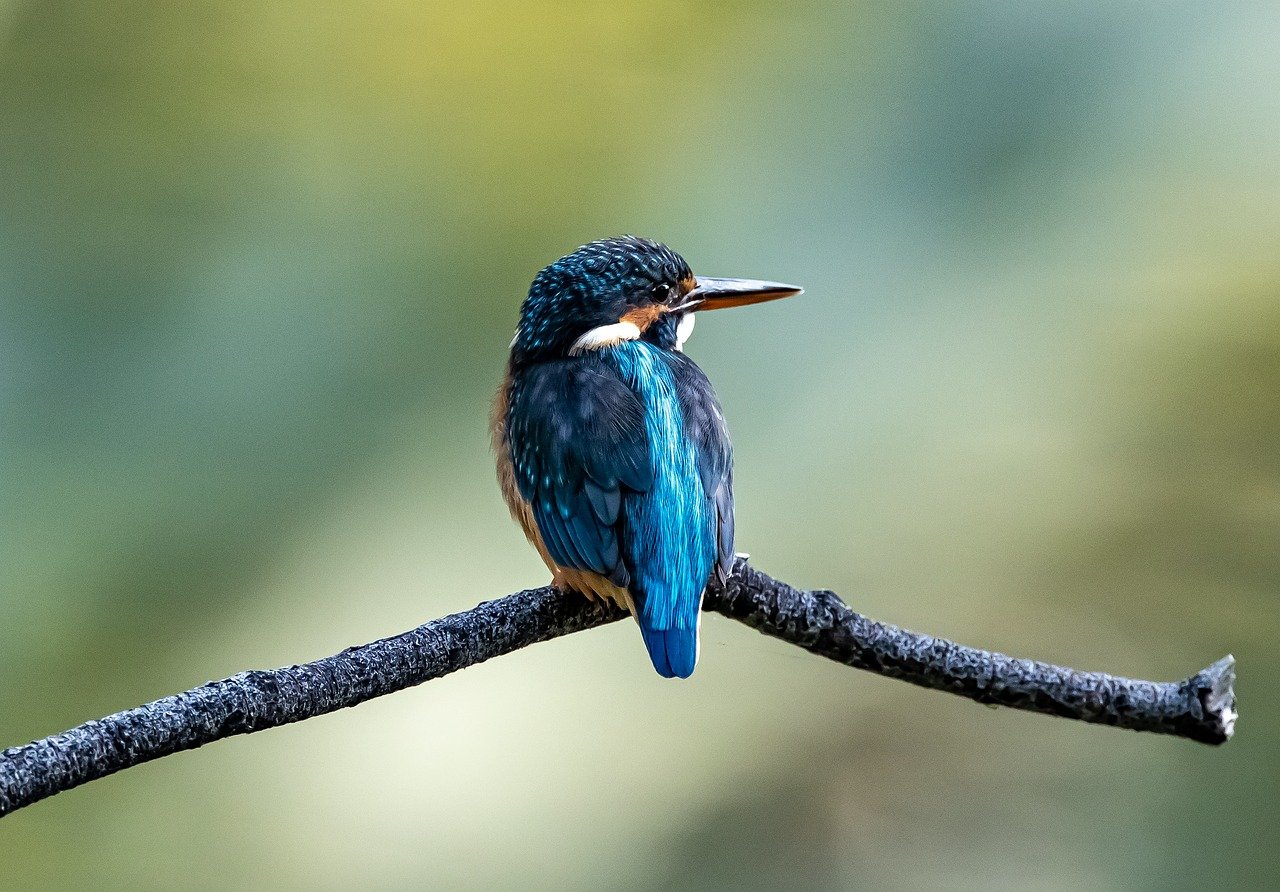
(612,446)
(671,529)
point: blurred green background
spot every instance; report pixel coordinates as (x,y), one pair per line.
(259,265)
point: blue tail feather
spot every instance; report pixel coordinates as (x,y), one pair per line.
(674,652)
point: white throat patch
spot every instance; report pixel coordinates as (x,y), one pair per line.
(605,336)
(684,328)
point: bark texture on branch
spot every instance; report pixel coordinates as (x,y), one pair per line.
(1201,707)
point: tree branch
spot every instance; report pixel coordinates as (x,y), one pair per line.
(1201,708)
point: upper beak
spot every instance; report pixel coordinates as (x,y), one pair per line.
(718,294)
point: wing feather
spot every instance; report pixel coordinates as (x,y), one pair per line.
(578,444)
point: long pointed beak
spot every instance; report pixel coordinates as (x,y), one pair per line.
(719,294)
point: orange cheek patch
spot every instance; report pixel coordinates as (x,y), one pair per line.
(643,317)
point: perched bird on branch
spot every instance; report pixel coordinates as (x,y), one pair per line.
(613,452)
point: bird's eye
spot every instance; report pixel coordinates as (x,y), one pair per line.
(661,293)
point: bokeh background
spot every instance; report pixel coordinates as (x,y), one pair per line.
(259,265)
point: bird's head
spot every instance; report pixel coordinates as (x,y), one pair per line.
(623,289)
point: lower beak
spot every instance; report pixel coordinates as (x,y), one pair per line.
(719,294)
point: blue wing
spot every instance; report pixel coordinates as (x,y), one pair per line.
(578,445)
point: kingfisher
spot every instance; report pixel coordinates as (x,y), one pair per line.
(612,449)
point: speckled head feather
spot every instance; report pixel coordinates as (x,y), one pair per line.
(596,285)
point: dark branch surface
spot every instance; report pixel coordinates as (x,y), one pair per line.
(1201,708)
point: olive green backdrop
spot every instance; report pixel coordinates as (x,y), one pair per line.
(259,265)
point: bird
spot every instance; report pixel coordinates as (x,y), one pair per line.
(612,450)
